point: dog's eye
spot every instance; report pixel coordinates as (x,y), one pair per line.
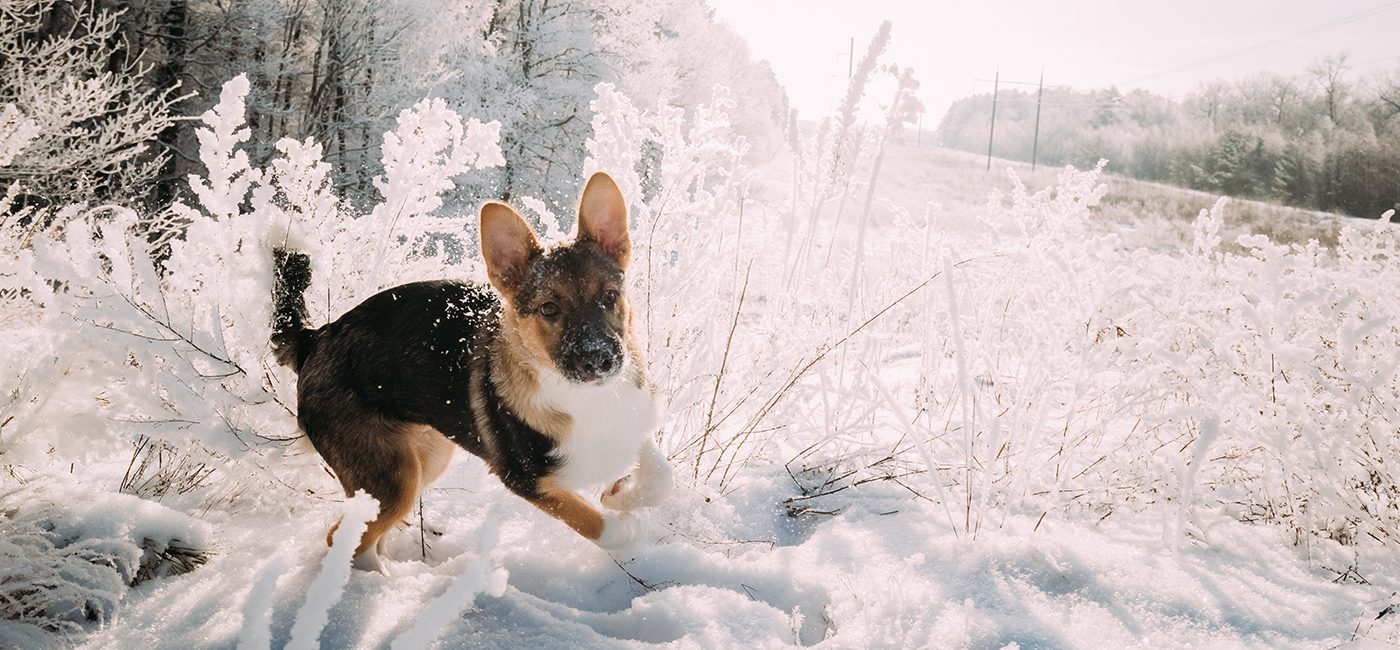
(549,310)
(609,298)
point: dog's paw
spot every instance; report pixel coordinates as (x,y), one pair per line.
(369,561)
(622,495)
(620,530)
(632,492)
(651,484)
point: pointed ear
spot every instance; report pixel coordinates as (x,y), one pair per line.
(508,246)
(602,218)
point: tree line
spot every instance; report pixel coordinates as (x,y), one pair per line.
(104,82)
(1327,139)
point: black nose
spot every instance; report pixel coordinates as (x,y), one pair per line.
(592,353)
(600,366)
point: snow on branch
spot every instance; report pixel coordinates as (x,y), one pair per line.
(256,632)
(229,174)
(91,117)
(428,149)
(16,131)
(329,585)
(483,575)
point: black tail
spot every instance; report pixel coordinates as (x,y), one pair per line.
(291,339)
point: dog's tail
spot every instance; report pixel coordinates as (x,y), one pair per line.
(291,339)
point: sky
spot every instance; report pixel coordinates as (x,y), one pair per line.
(1080,43)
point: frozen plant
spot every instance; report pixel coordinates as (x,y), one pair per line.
(329,585)
(69,555)
(89,117)
(180,318)
(16,131)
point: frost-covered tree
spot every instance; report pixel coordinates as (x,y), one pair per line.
(1329,74)
(538,84)
(339,71)
(533,64)
(94,119)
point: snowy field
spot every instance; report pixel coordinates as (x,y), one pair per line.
(909,404)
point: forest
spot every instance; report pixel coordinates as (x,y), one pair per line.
(1327,139)
(107,86)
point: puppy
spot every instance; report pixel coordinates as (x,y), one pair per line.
(540,378)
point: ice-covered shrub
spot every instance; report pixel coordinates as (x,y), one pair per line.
(16,132)
(1065,374)
(171,343)
(688,187)
(89,114)
(1045,369)
(68,556)
(146,338)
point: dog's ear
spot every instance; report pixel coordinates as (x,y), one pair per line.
(602,218)
(508,246)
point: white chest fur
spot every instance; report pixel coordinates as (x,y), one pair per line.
(609,423)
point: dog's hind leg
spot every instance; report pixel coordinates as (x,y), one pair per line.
(378,456)
(434,453)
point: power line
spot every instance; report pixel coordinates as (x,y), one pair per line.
(1267,44)
(1375,61)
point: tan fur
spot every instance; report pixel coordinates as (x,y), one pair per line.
(434,453)
(602,218)
(519,347)
(507,245)
(567,506)
(392,471)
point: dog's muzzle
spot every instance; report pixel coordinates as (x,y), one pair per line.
(592,357)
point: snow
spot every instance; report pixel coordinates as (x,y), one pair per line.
(256,632)
(481,576)
(738,572)
(329,585)
(1065,441)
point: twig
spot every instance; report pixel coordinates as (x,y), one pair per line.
(645,585)
(422,531)
(801,371)
(719,377)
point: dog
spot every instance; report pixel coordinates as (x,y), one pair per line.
(539,375)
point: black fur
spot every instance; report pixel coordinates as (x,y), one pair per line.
(291,340)
(412,354)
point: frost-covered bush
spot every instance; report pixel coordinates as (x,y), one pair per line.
(159,338)
(68,556)
(1060,373)
(687,186)
(1045,369)
(146,340)
(89,116)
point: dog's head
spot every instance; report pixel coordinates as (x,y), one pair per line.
(568,304)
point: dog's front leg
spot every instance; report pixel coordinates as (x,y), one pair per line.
(645,487)
(612,530)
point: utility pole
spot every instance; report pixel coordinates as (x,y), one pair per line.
(851,59)
(992,132)
(1035,144)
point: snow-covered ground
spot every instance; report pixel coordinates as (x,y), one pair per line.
(740,572)
(970,427)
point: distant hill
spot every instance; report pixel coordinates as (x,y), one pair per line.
(1319,141)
